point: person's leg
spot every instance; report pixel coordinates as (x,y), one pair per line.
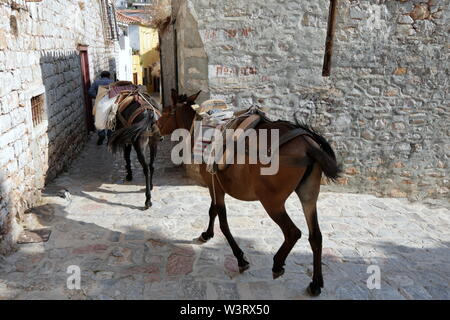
(101,136)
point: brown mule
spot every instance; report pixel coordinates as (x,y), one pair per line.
(244,182)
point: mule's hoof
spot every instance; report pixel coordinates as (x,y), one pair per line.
(314,289)
(277,274)
(201,239)
(244,267)
(148,206)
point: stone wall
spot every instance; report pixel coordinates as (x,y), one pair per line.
(38,55)
(385,107)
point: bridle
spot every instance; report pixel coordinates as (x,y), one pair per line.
(173,111)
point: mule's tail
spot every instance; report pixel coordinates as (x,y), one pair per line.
(324,155)
(326,161)
(130,134)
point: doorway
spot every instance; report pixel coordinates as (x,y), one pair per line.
(86,82)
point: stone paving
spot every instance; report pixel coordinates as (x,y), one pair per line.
(127,253)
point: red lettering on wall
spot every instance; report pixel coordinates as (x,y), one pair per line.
(248,71)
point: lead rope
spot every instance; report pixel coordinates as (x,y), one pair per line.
(151,105)
(214,187)
(214,190)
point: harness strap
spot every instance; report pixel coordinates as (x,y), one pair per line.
(125,102)
(126,99)
(142,100)
(290,135)
(249,123)
(214,187)
(122,119)
(137,113)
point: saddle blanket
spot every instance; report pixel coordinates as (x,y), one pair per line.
(105,107)
(211,120)
(115,91)
(103,111)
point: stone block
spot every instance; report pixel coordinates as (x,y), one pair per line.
(5,122)
(405,19)
(6,155)
(421,11)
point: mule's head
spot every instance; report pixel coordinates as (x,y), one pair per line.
(176,116)
(155,134)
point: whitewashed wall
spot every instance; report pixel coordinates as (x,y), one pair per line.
(40,56)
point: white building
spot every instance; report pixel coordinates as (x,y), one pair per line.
(124,63)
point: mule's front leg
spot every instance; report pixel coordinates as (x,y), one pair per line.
(238,253)
(145,167)
(127,155)
(209,234)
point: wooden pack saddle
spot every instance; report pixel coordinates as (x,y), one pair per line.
(249,119)
(127,94)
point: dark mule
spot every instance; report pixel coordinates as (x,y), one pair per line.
(136,127)
(244,182)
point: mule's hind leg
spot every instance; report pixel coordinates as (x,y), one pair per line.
(290,231)
(308,192)
(153,151)
(145,167)
(127,155)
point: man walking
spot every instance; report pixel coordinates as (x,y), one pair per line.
(105,79)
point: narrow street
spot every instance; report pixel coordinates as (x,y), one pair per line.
(124,252)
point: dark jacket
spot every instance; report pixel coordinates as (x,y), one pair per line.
(93,90)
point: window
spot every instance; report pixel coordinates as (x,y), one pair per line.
(37,109)
(108,12)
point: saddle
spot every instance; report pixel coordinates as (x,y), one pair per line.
(127,93)
(242,122)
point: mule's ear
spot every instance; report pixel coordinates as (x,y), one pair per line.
(174,96)
(194,97)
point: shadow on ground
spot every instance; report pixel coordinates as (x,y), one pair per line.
(126,253)
(152,263)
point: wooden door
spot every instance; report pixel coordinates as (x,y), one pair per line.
(86,82)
